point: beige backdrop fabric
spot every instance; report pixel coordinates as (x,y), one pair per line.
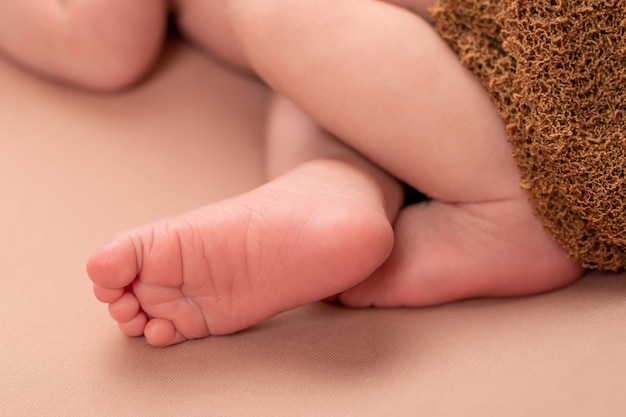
(76,167)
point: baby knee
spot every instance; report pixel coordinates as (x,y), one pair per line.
(99,44)
(115,50)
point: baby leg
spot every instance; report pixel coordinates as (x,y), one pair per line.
(312,232)
(100,44)
(381,79)
(208,24)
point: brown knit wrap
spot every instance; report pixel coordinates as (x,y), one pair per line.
(556,70)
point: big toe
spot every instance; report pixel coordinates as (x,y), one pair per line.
(115,265)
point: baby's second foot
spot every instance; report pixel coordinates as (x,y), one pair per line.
(446,252)
(227,266)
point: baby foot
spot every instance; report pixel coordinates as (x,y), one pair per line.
(227,266)
(446,252)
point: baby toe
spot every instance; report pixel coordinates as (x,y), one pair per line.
(107,295)
(161,332)
(115,265)
(135,326)
(125,308)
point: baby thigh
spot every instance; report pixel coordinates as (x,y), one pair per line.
(381,79)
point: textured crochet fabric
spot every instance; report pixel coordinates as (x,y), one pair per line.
(556,70)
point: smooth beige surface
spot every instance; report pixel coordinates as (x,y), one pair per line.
(76,168)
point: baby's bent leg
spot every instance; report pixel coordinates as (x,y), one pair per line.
(100,44)
(382,80)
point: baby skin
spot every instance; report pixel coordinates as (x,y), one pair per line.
(367,98)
